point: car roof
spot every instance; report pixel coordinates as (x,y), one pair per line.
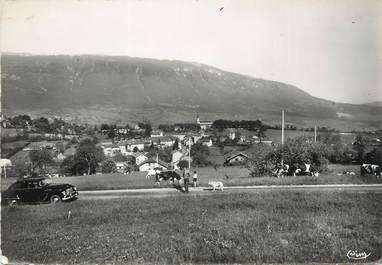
(33,179)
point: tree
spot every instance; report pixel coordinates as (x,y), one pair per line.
(182,164)
(119,158)
(105,127)
(19,169)
(111,134)
(40,159)
(359,147)
(300,150)
(109,166)
(148,130)
(259,162)
(261,132)
(42,124)
(67,166)
(200,155)
(90,155)
(374,157)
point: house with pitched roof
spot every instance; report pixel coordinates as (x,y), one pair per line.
(235,158)
(151,164)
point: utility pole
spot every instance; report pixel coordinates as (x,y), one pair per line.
(315,133)
(189,153)
(282,138)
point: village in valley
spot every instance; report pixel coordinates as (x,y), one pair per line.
(47,146)
(125,149)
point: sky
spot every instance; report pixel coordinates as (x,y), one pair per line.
(331,49)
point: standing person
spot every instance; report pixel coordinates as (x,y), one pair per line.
(186,180)
(195,178)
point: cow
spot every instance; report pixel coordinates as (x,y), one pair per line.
(151,173)
(168,175)
(370,169)
(305,170)
(282,171)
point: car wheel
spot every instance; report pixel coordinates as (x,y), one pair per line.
(55,199)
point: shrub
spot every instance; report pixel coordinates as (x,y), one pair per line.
(109,166)
(259,163)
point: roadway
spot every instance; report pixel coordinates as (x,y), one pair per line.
(206,191)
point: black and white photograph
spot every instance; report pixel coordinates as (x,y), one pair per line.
(191,132)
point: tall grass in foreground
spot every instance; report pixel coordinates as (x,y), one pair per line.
(234,228)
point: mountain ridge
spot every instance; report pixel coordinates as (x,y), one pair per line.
(61,82)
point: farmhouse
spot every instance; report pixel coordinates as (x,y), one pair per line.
(156,133)
(235,158)
(206,141)
(140,157)
(131,145)
(150,164)
(163,141)
(110,149)
(40,146)
(180,136)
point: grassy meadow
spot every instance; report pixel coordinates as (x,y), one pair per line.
(263,227)
(230,176)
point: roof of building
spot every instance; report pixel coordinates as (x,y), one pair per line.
(234,154)
(109,146)
(137,154)
(160,162)
(206,122)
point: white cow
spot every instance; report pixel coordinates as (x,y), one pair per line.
(151,173)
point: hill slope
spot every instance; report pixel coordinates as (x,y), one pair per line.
(98,88)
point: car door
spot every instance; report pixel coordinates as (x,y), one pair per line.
(34,192)
(21,191)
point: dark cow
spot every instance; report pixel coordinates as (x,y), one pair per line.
(168,175)
(370,169)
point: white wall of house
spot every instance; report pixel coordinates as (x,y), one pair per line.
(131,147)
(140,159)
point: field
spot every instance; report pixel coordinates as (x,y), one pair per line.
(271,227)
(10,149)
(230,176)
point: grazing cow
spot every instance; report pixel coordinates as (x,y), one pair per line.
(305,170)
(282,171)
(169,175)
(370,169)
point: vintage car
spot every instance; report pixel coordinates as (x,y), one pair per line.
(38,190)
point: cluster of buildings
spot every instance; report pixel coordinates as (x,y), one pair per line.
(135,148)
